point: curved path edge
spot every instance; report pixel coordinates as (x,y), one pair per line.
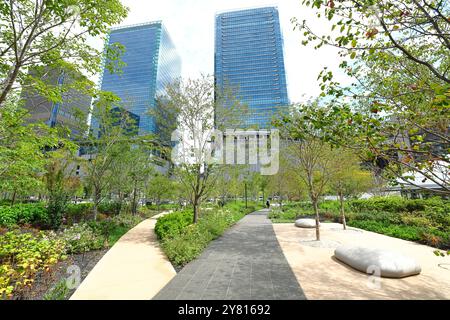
(246,262)
(135,268)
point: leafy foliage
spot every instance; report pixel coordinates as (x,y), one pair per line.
(29,213)
(423,220)
(22,256)
(183,241)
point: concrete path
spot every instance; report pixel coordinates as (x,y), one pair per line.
(245,263)
(135,268)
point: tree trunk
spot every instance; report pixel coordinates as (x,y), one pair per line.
(13,200)
(316,212)
(195,204)
(245,186)
(96,202)
(9,82)
(341,200)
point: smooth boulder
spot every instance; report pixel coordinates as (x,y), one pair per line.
(389,264)
(305,223)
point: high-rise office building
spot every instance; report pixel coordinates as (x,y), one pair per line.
(249,58)
(71,112)
(151,62)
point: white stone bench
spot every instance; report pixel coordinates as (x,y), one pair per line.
(306,223)
(377,261)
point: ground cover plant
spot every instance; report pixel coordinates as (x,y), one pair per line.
(183,241)
(29,249)
(423,220)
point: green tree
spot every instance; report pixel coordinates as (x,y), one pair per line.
(309,158)
(53,33)
(397,111)
(348,178)
(193,107)
(108,141)
(24,151)
(60,184)
(160,188)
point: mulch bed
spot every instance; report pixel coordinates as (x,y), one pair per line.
(45,281)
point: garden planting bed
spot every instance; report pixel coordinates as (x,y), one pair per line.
(49,287)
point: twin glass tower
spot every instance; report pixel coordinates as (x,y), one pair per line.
(151,62)
(248,57)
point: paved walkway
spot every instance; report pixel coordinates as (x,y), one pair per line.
(324,277)
(245,263)
(135,268)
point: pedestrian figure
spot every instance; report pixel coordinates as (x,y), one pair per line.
(268,204)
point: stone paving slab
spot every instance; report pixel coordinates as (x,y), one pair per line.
(245,263)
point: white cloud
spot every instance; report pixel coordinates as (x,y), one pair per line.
(191,26)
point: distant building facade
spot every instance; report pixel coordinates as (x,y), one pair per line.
(249,58)
(151,62)
(72,112)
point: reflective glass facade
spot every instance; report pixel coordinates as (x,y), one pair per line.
(249,58)
(151,63)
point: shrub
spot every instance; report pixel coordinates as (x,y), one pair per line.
(171,224)
(110,208)
(24,213)
(183,241)
(186,246)
(76,213)
(58,292)
(402,232)
(22,256)
(81,238)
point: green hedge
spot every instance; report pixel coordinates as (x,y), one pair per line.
(183,241)
(171,224)
(24,213)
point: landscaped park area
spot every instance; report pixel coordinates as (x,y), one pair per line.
(232,252)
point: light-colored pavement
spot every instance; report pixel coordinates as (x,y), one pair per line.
(135,268)
(324,277)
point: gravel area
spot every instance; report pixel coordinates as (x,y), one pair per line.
(321,243)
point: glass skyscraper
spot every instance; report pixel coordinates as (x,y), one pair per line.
(151,62)
(249,58)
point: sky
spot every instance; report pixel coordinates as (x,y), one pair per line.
(190,24)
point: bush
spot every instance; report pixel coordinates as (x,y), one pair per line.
(81,238)
(171,224)
(403,232)
(76,213)
(183,241)
(110,208)
(24,213)
(22,256)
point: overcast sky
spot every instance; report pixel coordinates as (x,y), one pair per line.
(191,26)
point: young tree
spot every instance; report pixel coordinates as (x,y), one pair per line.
(348,179)
(60,184)
(198,108)
(23,156)
(160,188)
(53,33)
(107,143)
(397,111)
(309,158)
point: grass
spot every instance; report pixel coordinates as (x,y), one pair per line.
(116,233)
